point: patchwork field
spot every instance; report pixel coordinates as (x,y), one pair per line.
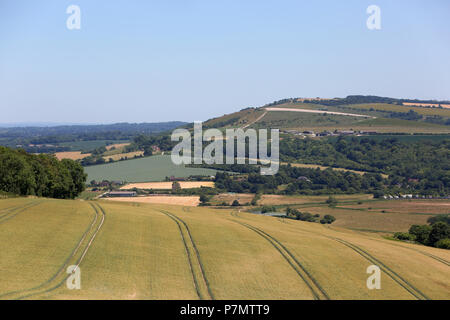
(381,216)
(142,251)
(168,185)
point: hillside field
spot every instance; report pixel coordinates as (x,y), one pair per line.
(320,122)
(141,251)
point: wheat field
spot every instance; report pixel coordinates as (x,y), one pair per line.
(147,251)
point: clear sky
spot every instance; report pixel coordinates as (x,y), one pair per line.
(148,61)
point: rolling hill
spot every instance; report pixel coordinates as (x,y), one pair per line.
(339,114)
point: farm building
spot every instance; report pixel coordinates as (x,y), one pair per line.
(121,194)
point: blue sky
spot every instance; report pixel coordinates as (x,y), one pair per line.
(148,61)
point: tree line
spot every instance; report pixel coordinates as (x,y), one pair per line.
(436,233)
(41,175)
(421,167)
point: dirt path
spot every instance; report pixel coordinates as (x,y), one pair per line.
(253,122)
(321,112)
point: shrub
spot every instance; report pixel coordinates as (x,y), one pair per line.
(439,218)
(404,236)
(443,244)
(422,233)
(327,219)
(332,202)
(235,203)
(204,198)
(439,231)
(266,209)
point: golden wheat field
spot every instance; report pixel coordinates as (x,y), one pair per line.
(127,250)
(168,185)
(73,155)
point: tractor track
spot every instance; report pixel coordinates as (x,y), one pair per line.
(432,256)
(29,292)
(14,211)
(392,243)
(315,288)
(199,277)
(369,257)
(391,273)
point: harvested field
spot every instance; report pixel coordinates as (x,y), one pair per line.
(431,207)
(243,198)
(129,155)
(269,199)
(168,185)
(190,201)
(432,105)
(72,155)
(383,216)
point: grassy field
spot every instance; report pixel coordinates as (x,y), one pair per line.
(141,251)
(397,108)
(154,168)
(370,107)
(288,119)
(383,125)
